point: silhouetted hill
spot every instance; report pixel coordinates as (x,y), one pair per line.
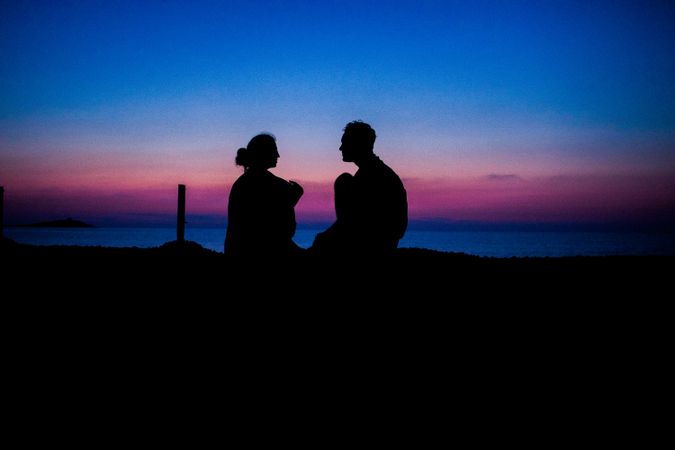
(480,315)
(411,275)
(65,223)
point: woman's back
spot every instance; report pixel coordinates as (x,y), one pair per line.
(261,218)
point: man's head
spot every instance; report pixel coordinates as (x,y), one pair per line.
(358,141)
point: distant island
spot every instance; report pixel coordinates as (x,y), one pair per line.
(65,223)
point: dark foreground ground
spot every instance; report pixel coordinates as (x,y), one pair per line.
(173,328)
(190,271)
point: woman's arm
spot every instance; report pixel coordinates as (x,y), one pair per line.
(296,192)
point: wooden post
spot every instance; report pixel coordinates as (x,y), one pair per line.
(2,209)
(180,225)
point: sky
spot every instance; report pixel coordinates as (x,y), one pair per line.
(490,111)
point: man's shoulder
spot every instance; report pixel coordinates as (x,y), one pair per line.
(387,172)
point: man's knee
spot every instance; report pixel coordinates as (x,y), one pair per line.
(343,182)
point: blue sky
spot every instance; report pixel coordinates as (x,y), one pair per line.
(456,90)
(606,62)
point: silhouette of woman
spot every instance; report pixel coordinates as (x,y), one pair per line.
(261,218)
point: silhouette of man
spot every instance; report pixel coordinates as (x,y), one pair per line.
(371,206)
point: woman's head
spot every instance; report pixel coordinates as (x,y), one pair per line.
(260,153)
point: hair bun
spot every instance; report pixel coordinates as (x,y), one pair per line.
(242,158)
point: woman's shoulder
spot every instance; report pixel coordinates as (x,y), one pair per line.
(246,183)
(263,181)
(241,181)
(253,177)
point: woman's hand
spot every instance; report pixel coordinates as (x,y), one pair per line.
(296,191)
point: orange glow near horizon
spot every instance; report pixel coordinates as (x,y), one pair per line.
(491,198)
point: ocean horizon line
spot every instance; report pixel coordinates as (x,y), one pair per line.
(419,225)
(495,243)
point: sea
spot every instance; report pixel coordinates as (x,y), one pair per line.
(502,244)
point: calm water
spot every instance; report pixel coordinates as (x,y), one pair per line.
(482,243)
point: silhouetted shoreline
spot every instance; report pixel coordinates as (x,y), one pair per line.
(412,268)
(193,249)
(423,302)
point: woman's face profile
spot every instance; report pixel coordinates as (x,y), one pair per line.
(272,156)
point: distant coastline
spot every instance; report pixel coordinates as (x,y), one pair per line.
(64,223)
